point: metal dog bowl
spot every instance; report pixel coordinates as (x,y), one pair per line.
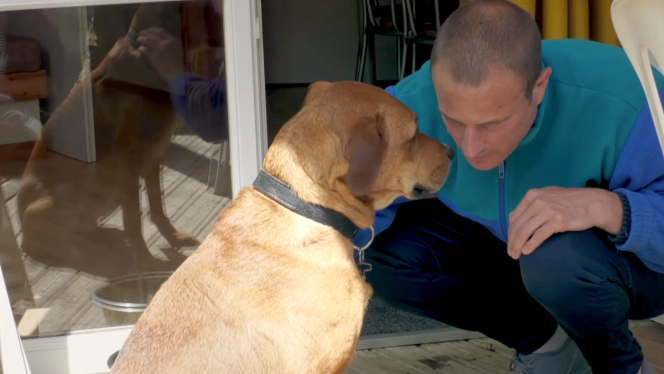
(123,299)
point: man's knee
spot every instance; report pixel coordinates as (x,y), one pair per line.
(402,249)
(565,267)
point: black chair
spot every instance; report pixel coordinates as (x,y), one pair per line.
(424,20)
(389,20)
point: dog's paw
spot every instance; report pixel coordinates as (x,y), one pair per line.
(180,239)
(143,259)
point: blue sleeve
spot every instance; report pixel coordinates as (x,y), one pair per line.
(639,176)
(383,218)
(202,104)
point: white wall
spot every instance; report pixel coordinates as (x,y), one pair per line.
(309,40)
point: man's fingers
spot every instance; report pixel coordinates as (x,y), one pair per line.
(524,226)
(146,51)
(158,31)
(151,31)
(527,229)
(522,212)
(524,204)
(158,34)
(542,234)
(148,40)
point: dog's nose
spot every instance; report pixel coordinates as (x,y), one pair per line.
(450,153)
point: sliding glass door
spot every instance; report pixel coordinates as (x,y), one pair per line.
(126,128)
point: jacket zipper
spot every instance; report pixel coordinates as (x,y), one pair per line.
(501,198)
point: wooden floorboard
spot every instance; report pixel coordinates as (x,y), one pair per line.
(62,295)
(477,356)
(651,338)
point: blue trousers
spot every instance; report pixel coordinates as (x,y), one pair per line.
(434,263)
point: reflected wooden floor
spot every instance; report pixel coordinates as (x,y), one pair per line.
(62,296)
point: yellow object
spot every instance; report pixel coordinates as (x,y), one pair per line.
(601,25)
(529,5)
(578,19)
(554,19)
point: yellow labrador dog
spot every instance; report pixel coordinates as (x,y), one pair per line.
(274,288)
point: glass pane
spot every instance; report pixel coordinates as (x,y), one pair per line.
(113,156)
(329,50)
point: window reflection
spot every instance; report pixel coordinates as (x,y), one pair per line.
(113,155)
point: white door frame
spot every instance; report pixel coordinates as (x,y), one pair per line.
(87,352)
(12,357)
(244,79)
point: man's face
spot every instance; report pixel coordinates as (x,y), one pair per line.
(487,122)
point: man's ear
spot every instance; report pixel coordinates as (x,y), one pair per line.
(540,85)
(365,150)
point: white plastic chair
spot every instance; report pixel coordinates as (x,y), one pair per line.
(639,25)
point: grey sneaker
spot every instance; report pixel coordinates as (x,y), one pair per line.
(646,368)
(567,360)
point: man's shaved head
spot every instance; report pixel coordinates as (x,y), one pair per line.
(489,34)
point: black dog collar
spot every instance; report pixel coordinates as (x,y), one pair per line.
(132,38)
(281,193)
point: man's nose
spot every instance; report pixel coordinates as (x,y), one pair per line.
(472,144)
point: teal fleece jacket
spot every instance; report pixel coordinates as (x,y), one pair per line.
(593,128)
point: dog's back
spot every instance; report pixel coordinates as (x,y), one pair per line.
(243,302)
(131,123)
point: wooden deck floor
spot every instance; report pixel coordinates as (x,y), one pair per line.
(477,356)
(62,295)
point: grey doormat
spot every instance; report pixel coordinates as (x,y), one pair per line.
(382,319)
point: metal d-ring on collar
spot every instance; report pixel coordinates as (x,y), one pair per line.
(364,267)
(132,38)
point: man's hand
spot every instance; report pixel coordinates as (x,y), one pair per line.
(163,51)
(547,211)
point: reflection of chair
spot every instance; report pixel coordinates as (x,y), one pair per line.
(640,29)
(381,20)
(222,185)
(423,33)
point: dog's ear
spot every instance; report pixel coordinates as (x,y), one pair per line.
(365,150)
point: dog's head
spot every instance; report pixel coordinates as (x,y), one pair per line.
(196,22)
(367,142)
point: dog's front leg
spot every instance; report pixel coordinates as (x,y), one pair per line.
(175,238)
(131,218)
